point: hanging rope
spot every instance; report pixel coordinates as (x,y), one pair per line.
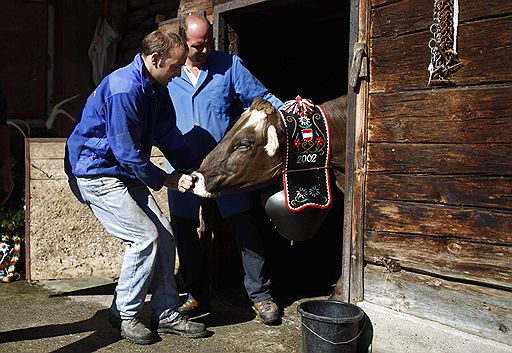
(443,44)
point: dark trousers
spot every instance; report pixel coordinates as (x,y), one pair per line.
(194,264)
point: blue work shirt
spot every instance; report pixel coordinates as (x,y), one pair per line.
(120,123)
(205,111)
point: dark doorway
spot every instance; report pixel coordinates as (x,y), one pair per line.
(295,47)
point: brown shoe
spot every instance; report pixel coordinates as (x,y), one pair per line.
(267,310)
(192,309)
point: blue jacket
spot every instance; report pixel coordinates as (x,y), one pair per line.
(122,119)
(204,113)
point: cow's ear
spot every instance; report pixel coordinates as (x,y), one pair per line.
(272,141)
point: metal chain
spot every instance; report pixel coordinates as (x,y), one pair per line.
(442,45)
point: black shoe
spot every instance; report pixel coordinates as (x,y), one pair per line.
(267,310)
(134,330)
(192,309)
(180,326)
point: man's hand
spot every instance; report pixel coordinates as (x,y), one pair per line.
(178,181)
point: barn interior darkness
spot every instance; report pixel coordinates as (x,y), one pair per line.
(297,48)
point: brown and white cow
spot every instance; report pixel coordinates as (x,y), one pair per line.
(250,156)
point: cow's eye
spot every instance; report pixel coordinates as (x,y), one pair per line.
(243,145)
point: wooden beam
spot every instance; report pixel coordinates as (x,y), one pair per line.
(469,223)
(474,309)
(445,257)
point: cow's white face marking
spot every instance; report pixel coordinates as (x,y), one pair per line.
(272,141)
(199,188)
(256,119)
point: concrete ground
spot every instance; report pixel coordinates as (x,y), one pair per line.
(72,316)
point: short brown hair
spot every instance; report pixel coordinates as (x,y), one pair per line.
(162,41)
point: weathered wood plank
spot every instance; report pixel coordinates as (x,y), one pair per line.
(473,224)
(483,159)
(392,18)
(460,190)
(375,3)
(400,17)
(400,62)
(446,257)
(486,312)
(484,48)
(355,249)
(472,10)
(473,115)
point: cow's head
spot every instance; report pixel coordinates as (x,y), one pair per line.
(248,157)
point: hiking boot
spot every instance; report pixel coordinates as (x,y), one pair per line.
(133,330)
(179,325)
(192,309)
(267,310)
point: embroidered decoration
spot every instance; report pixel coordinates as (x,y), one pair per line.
(10,249)
(307,154)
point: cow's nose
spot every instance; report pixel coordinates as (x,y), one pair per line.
(194,176)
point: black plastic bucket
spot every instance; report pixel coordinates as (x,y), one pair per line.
(330,326)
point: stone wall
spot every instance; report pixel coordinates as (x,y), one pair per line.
(63,238)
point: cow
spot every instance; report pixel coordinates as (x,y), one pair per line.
(250,156)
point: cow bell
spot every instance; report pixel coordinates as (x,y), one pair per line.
(294,226)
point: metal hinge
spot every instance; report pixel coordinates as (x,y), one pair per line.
(359,68)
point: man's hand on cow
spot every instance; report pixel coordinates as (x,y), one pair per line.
(178,181)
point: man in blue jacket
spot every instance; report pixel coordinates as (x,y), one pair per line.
(205,97)
(108,162)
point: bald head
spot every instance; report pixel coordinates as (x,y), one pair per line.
(197,31)
(195,23)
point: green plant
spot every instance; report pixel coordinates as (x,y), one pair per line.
(14,217)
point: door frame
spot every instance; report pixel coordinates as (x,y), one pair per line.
(352,278)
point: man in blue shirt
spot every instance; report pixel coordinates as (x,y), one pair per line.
(204,97)
(108,162)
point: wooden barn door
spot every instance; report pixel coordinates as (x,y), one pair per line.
(437,185)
